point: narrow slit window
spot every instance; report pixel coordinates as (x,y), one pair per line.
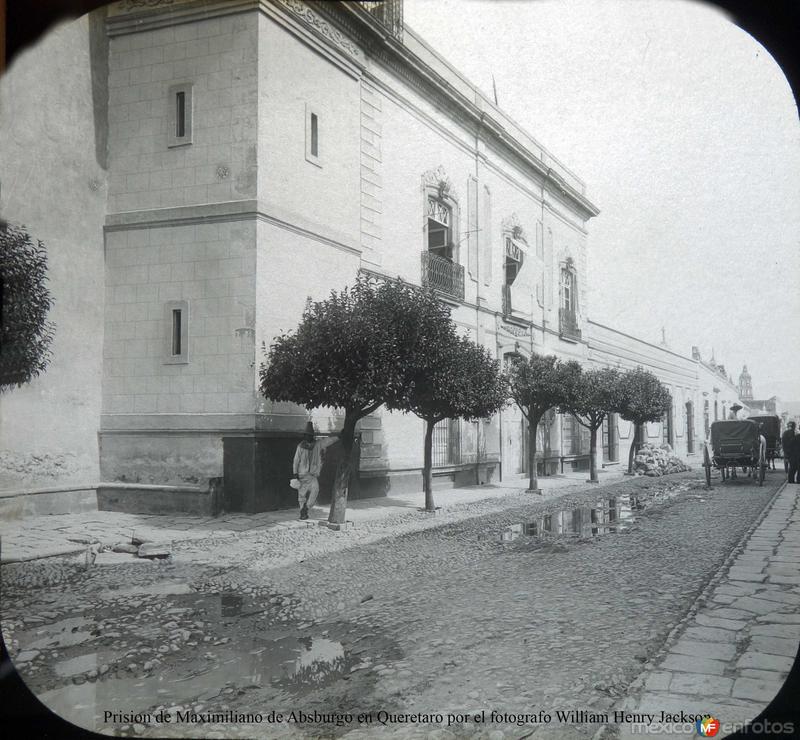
(176,333)
(180,114)
(177,338)
(314,135)
(179,131)
(312,130)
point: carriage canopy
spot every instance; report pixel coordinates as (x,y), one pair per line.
(734,437)
(772,427)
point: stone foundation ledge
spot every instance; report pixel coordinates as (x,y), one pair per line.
(148,498)
(72,499)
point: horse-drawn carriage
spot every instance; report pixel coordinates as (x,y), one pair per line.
(771,429)
(735,444)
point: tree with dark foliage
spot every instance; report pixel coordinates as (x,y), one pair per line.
(595,396)
(537,385)
(642,398)
(456,380)
(25,301)
(358,350)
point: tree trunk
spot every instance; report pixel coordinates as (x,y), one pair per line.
(634,446)
(427,466)
(344,470)
(533,424)
(593,454)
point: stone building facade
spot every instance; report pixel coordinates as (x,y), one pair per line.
(232,159)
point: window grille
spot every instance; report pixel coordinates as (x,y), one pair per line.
(446,443)
(610,438)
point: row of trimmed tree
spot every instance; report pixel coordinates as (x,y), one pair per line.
(388,343)
(540,383)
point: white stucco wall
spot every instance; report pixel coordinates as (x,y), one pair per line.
(53,181)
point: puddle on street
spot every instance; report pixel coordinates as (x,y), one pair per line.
(607,516)
(296,664)
(75,666)
(258,655)
(62,634)
(168,588)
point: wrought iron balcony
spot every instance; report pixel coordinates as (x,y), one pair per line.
(443,275)
(568,324)
(389,13)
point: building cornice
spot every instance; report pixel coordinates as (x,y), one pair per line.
(638,341)
(147,15)
(235,210)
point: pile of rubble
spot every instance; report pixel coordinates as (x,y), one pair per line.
(656,461)
(137,546)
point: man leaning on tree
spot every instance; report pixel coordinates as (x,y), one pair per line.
(307,466)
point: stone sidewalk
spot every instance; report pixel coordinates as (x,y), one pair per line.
(731,655)
(55,535)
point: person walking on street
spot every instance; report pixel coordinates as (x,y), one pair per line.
(306,467)
(791,453)
(794,460)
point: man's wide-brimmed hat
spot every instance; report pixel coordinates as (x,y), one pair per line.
(309,428)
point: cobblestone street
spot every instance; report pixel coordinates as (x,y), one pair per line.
(520,606)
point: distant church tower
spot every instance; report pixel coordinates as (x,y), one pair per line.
(745,385)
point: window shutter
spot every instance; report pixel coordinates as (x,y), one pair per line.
(472,227)
(486,234)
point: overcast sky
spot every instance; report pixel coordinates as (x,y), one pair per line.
(687,136)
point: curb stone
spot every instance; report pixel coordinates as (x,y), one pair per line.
(677,631)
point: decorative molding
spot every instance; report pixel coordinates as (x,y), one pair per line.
(515,329)
(149,15)
(371,108)
(438,179)
(302,11)
(511,224)
(127,5)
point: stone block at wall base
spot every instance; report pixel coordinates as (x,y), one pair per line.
(376,483)
(135,498)
(39,502)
